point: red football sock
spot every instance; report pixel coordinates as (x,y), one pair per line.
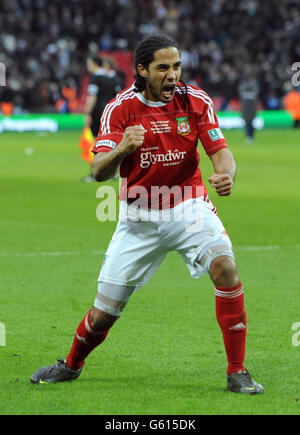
(231,316)
(85,341)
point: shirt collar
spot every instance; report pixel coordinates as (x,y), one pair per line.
(149,102)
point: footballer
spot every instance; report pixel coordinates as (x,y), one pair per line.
(150,132)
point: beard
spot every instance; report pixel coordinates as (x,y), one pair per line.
(159,94)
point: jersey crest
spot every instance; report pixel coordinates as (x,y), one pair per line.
(183,126)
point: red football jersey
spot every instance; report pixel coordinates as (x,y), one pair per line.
(168,160)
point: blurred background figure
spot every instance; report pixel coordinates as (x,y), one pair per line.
(68,98)
(103,85)
(292,104)
(6,104)
(249,92)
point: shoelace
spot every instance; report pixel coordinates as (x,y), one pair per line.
(245,379)
(59,362)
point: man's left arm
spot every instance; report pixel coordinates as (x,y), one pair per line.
(225,171)
(214,144)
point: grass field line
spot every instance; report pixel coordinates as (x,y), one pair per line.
(75,253)
(49,254)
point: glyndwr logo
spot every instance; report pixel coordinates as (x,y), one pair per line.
(170,158)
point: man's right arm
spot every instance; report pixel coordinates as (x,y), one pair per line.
(89,106)
(105,165)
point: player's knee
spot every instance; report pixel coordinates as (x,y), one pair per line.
(223,271)
(109,304)
(101,321)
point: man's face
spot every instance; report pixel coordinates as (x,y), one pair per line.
(162,75)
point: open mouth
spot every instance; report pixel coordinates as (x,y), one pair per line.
(168,91)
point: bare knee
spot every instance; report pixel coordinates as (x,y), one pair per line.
(223,272)
(101,321)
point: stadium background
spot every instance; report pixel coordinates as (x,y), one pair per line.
(44,46)
(52,245)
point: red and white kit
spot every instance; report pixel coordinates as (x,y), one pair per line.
(168,157)
(188,224)
(169,154)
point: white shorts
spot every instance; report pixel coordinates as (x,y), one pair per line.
(144,237)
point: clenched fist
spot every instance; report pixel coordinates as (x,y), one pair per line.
(223,183)
(133,138)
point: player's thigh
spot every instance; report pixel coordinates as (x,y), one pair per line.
(134,254)
(204,239)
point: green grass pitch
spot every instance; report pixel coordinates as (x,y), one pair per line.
(165,355)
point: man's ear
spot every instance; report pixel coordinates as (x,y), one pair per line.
(143,72)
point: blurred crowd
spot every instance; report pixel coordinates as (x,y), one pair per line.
(44,44)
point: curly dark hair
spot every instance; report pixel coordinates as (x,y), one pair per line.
(144,54)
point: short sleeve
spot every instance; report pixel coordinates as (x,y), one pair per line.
(209,132)
(93,87)
(111,129)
